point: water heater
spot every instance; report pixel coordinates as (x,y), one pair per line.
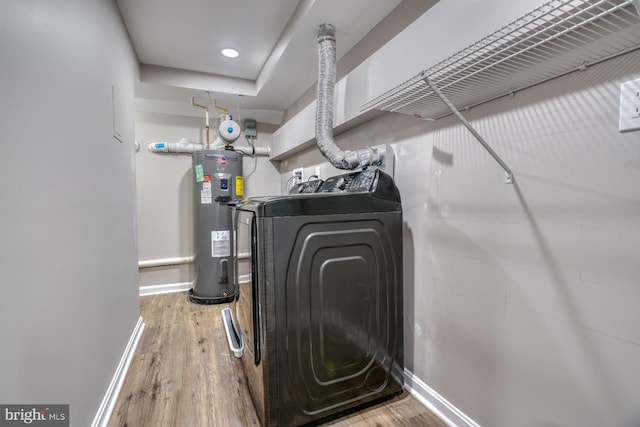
(218,184)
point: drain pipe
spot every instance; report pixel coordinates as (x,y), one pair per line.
(185,146)
(182,146)
(349,160)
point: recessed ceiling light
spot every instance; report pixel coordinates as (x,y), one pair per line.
(230,53)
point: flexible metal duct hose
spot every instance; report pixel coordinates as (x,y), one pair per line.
(340,159)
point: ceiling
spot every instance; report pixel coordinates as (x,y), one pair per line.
(178,46)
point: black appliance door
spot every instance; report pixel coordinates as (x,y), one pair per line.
(248,314)
(340,321)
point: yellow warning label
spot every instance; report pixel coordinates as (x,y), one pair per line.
(239,186)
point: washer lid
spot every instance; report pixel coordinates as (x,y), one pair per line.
(356,192)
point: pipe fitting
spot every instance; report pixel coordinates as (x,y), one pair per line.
(326,31)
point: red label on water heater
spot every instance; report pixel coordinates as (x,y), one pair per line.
(207,178)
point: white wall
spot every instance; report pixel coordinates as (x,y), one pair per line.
(164,196)
(165,192)
(521,300)
(68,294)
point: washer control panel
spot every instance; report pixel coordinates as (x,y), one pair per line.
(357,182)
(306,187)
(372,181)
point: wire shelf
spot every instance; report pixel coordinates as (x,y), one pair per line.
(558,37)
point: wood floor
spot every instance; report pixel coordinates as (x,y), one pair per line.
(183,374)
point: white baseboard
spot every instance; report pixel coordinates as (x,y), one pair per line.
(437,404)
(165,289)
(111,396)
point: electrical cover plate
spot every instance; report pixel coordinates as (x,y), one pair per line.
(629,106)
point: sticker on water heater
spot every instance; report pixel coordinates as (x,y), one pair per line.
(239,186)
(220,244)
(206,194)
(205,198)
(199,173)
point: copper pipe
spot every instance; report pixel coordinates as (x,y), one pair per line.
(206,114)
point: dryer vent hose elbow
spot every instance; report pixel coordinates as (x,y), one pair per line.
(340,159)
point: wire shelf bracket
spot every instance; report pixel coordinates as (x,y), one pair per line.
(507,170)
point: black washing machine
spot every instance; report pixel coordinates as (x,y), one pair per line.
(319,276)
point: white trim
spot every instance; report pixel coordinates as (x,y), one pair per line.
(165,289)
(166,262)
(111,396)
(441,407)
(232,333)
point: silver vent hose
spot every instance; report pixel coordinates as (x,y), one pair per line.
(340,159)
